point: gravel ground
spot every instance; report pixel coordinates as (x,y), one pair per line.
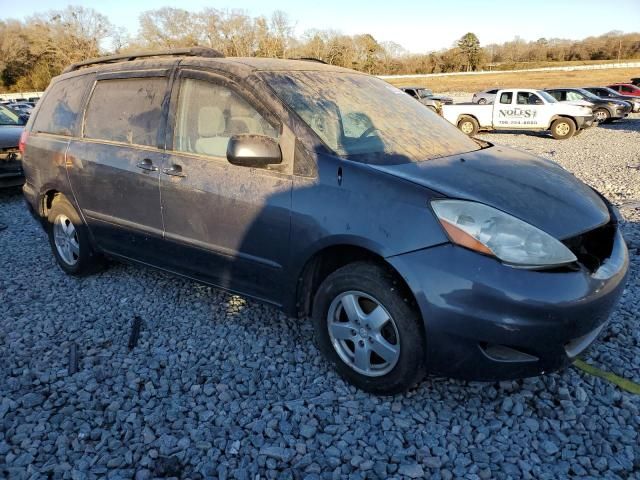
(222,387)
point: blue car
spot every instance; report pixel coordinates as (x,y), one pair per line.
(333,196)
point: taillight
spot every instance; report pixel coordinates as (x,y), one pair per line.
(23,141)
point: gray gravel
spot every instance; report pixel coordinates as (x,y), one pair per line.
(222,387)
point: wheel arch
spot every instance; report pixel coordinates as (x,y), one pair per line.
(470,115)
(558,117)
(327,260)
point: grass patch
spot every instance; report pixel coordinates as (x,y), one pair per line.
(548,79)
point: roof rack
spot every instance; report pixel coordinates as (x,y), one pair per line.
(309,59)
(127,57)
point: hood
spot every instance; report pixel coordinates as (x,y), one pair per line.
(10,136)
(626,98)
(533,189)
(442,98)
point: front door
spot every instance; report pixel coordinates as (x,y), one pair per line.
(225,224)
(114,168)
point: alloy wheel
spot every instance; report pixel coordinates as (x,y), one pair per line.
(363,333)
(65,237)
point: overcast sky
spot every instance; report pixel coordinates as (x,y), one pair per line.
(419,26)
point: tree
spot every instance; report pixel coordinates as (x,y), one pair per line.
(34,51)
(469,46)
(170,28)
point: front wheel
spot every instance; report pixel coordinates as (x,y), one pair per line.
(482,101)
(602,115)
(563,128)
(367,328)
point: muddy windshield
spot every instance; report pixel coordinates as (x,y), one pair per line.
(365,119)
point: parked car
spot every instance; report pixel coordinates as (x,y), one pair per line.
(422,93)
(604,110)
(626,89)
(430,103)
(607,93)
(521,109)
(325,192)
(485,96)
(11,126)
(21,107)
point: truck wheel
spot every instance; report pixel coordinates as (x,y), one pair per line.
(482,101)
(468,125)
(602,115)
(563,128)
(69,240)
(367,329)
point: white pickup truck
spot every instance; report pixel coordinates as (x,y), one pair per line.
(521,109)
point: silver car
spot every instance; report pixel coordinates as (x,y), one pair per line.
(485,96)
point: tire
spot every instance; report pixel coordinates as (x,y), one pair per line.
(468,125)
(482,101)
(563,128)
(602,115)
(369,288)
(69,239)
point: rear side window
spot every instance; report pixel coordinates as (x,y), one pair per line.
(126,110)
(506,98)
(59,113)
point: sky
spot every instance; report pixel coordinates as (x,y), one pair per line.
(418,25)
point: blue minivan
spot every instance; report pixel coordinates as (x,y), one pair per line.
(334,196)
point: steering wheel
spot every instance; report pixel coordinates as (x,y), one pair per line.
(367,132)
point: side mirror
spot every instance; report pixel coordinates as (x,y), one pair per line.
(256,151)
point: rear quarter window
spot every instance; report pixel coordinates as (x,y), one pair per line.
(126,110)
(60,112)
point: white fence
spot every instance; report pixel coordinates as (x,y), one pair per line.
(20,95)
(566,68)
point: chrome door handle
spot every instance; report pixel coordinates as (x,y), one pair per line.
(175,171)
(147,165)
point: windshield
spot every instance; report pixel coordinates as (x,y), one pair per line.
(7,117)
(425,93)
(546,96)
(365,119)
(610,91)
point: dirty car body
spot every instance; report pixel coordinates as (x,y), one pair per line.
(365,175)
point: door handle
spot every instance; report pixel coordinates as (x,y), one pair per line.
(174,170)
(147,165)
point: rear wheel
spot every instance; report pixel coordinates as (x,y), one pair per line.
(468,125)
(563,128)
(366,327)
(69,240)
(602,115)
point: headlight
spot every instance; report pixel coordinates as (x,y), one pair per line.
(492,232)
